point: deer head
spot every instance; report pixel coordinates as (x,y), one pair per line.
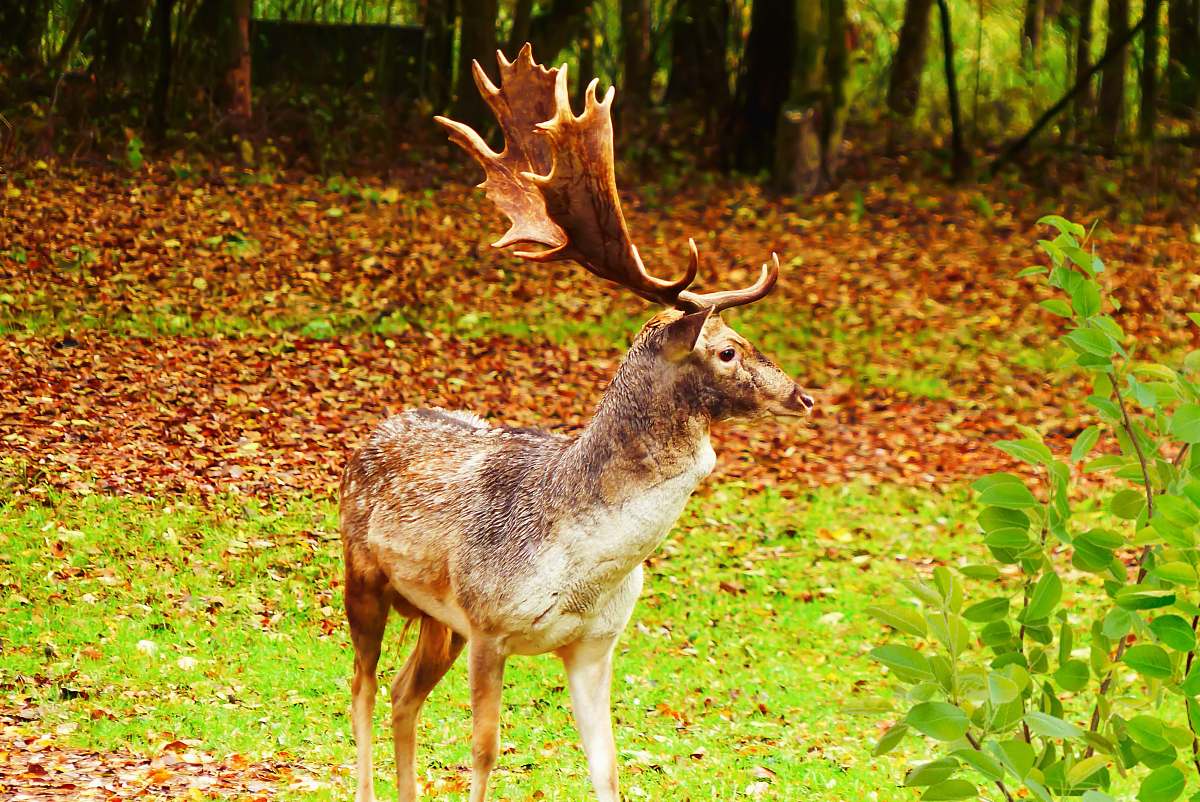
(555,181)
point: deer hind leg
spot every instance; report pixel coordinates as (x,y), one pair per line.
(368,600)
(589,675)
(436,650)
(486,678)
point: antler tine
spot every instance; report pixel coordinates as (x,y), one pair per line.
(731,298)
(556,182)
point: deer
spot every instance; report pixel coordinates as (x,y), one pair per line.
(516,541)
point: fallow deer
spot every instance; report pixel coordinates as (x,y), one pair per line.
(525,542)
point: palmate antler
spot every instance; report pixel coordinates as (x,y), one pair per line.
(556,182)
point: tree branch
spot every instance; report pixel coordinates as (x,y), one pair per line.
(1084,81)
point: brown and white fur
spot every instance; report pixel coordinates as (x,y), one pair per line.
(519,541)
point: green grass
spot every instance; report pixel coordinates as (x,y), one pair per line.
(747,650)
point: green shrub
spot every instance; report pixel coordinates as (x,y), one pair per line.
(1069,669)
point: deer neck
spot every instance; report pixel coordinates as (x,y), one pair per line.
(645,433)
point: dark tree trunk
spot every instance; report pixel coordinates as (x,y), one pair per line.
(1112,79)
(519,35)
(22,26)
(587,60)
(1183,57)
(160,33)
(120,29)
(958,150)
(699,42)
(237,76)
(557,27)
(1031,29)
(635,52)
(478,41)
(809,138)
(748,142)
(438,57)
(904,83)
(1083,57)
(1148,115)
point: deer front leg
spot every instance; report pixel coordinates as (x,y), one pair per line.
(589,675)
(486,675)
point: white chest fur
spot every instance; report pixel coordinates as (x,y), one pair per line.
(603,545)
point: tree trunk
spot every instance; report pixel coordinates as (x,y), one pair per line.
(587,60)
(1083,58)
(1031,30)
(477,41)
(237,76)
(438,56)
(699,42)
(958,151)
(635,52)
(557,27)
(1183,57)
(748,142)
(808,145)
(1112,79)
(160,32)
(1148,116)
(120,27)
(22,26)
(519,35)
(904,83)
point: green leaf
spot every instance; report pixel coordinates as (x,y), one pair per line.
(1138,597)
(1063,225)
(1096,796)
(983,764)
(1194,317)
(939,720)
(902,618)
(905,662)
(1086,768)
(950,789)
(1086,297)
(1050,726)
(1176,572)
(1033,270)
(1045,597)
(1027,450)
(1012,495)
(890,740)
(1148,732)
(985,572)
(1164,784)
(988,610)
(931,773)
(1001,688)
(1148,660)
(1084,443)
(1127,504)
(1185,423)
(1091,341)
(993,518)
(1072,676)
(1056,306)
(1174,631)
(1015,755)
(1191,683)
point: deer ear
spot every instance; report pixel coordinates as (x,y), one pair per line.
(682,335)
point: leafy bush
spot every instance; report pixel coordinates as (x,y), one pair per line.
(1072,661)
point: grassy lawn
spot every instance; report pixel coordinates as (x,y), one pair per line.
(135,621)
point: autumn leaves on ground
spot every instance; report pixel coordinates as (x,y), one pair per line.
(189,353)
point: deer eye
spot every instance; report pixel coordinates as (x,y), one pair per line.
(727,355)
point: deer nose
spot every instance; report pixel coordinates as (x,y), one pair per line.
(801,398)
